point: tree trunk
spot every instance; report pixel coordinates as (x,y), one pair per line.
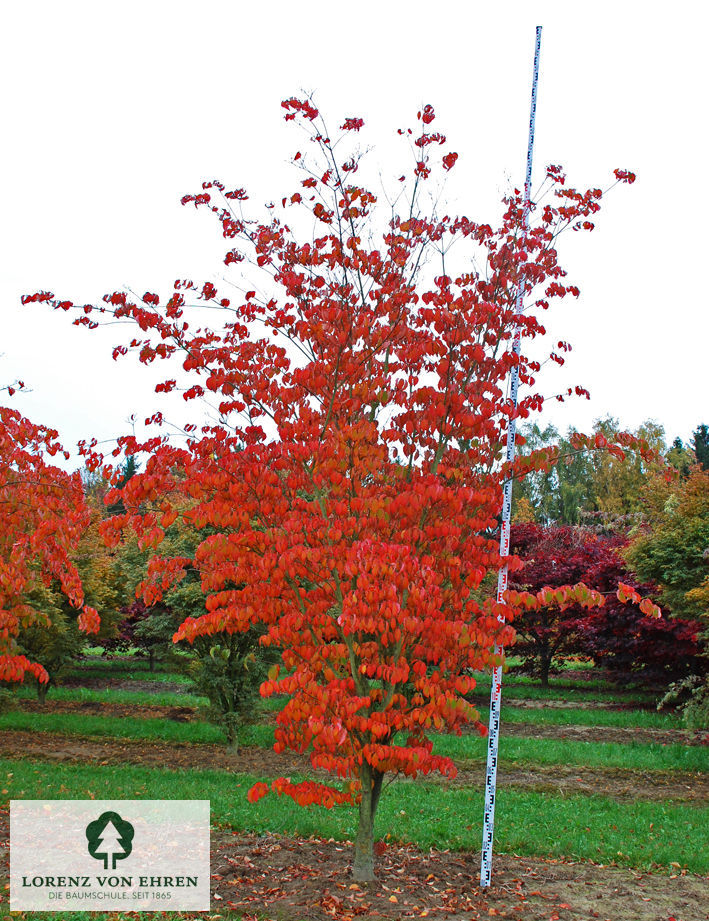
(151,660)
(232,738)
(42,691)
(544,666)
(363,867)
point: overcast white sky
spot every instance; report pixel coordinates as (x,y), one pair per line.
(113,111)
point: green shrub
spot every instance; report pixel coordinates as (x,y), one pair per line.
(692,696)
(229,669)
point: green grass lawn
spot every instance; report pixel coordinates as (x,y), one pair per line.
(637,834)
(127,674)
(119,665)
(467,748)
(571,716)
(117,727)
(116,696)
(629,755)
(124,668)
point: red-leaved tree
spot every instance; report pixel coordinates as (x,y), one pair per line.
(42,516)
(616,633)
(353,478)
(552,557)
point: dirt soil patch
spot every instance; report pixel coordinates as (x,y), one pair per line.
(274,878)
(101,708)
(621,735)
(617,783)
(557,778)
(285,879)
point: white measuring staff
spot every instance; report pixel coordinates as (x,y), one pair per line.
(496,691)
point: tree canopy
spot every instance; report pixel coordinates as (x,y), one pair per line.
(352,484)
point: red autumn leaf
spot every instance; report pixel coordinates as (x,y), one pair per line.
(624,175)
(257,792)
(353,124)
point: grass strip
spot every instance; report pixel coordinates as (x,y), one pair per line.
(587,716)
(120,664)
(116,696)
(644,835)
(639,756)
(116,727)
(525,688)
(467,748)
(94,673)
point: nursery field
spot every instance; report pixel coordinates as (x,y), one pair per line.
(602,810)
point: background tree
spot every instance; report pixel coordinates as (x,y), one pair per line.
(553,556)
(149,630)
(229,669)
(226,667)
(600,489)
(617,483)
(616,633)
(42,518)
(365,379)
(58,642)
(680,457)
(561,494)
(700,443)
(129,469)
(640,649)
(53,640)
(671,549)
(632,646)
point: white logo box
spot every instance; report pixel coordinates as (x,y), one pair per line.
(109,855)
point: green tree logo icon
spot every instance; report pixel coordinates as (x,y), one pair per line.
(110,839)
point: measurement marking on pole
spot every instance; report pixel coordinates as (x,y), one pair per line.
(496,690)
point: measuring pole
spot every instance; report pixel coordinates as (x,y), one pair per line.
(496,691)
